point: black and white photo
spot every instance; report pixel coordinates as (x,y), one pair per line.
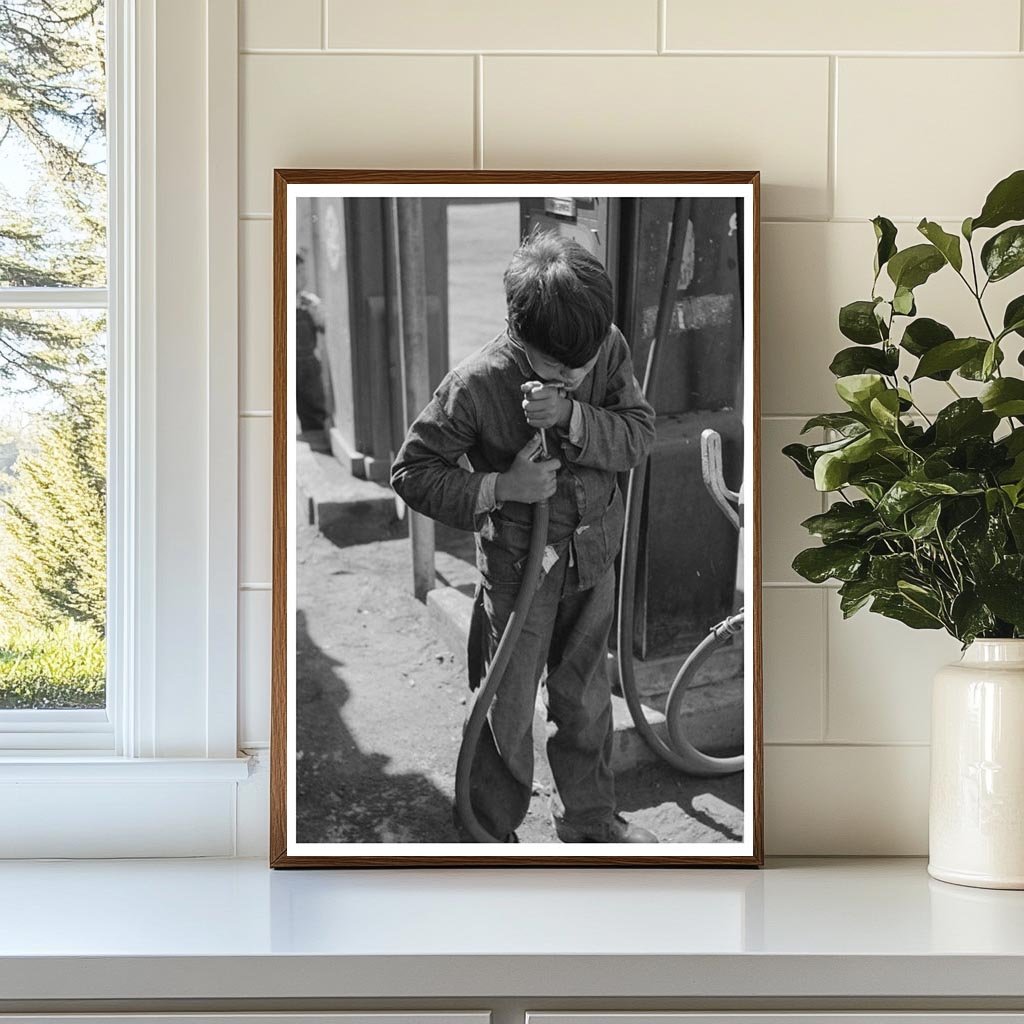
(516,563)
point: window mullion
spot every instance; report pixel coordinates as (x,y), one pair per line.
(53,298)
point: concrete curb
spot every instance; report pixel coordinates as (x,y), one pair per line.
(714,706)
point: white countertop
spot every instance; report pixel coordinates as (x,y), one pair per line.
(234,929)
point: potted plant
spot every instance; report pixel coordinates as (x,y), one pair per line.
(926,519)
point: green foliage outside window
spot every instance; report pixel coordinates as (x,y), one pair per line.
(52,365)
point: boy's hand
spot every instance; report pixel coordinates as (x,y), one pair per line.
(526,480)
(546,405)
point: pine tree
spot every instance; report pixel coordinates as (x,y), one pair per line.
(53,234)
(52,120)
(53,520)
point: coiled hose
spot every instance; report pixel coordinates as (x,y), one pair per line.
(681,754)
(495,671)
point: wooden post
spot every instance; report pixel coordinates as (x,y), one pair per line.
(415,365)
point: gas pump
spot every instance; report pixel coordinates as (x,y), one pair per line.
(686,549)
(676,269)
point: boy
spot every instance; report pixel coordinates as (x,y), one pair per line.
(597,424)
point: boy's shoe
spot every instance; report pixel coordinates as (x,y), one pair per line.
(618,830)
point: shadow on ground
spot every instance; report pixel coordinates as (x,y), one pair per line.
(379,713)
(345,794)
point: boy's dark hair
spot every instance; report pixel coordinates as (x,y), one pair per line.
(559,298)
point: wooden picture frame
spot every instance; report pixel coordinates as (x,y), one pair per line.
(704,276)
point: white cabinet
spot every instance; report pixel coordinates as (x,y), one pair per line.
(361,1017)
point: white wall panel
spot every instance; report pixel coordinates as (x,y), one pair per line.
(846,800)
(870,25)
(271,23)
(255,508)
(684,113)
(472,25)
(255,352)
(328,110)
(253,667)
(787,499)
(962,129)
(879,677)
(794,663)
(827,167)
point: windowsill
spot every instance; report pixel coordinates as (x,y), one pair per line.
(822,928)
(79,766)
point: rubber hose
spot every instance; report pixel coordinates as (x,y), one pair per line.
(634,499)
(495,672)
(624,631)
(631,532)
(697,762)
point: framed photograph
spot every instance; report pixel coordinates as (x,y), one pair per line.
(516,549)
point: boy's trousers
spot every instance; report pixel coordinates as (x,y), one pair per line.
(566,632)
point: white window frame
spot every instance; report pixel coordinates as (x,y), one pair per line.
(68,729)
(169,733)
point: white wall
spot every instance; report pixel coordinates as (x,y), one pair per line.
(905,109)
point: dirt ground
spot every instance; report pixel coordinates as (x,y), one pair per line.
(380,707)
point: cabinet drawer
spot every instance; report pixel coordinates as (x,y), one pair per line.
(355,1017)
(790,1017)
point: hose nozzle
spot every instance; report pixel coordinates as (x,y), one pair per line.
(528,389)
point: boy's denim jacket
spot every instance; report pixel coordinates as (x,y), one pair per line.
(477,412)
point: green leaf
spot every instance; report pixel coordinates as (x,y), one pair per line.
(840,561)
(924,334)
(831,471)
(817,450)
(981,537)
(899,608)
(1005,202)
(1013,317)
(885,409)
(1014,441)
(913,266)
(947,244)
(1016,520)
(865,446)
(970,617)
(833,420)
(887,570)
(858,389)
(991,360)
(854,594)
(857,321)
(925,518)
(964,482)
(842,521)
(903,302)
(1004,397)
(965,229)
(849,361)
(885,237)
(1005,596)
(1003,254)
(949,355)
(994,499)
(906,494)
(879,471)
(974,368)
(799,455)
(966,417)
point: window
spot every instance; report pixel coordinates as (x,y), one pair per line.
(155,311)
(53,373)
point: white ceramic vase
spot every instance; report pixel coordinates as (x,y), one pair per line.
(976,814)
